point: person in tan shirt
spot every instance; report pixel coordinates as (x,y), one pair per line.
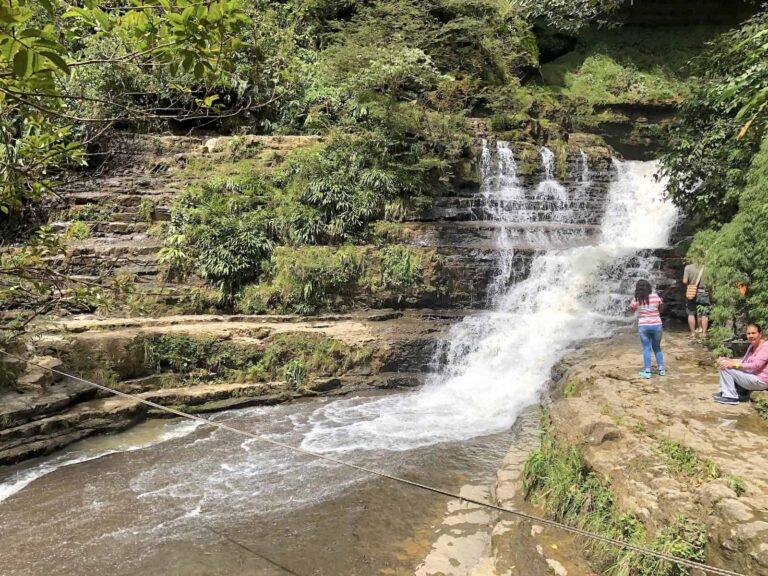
(698,307)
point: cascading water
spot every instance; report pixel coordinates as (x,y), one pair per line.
(498,361)
(584,163)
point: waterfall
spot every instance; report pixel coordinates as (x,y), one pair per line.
(498,361)
(585,251)
(584,163)
(549,187)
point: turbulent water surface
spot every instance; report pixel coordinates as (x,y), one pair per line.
(176,498)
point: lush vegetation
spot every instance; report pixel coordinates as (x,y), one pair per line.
(393,122)
(556,477)
(761,406)
(717,164)
(628,65)
(721,125)
(570,15)
(309,279)
(290,357)
(737,253)
(71,72)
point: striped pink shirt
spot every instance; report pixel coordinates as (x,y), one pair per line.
(648,314)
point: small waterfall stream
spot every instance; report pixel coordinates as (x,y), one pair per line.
(492,366)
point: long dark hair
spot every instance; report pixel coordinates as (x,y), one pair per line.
(642,292)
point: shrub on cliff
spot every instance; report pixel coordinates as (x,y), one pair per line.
(221,232)
(738,252)
(309,279)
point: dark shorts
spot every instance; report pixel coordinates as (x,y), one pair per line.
(699,306)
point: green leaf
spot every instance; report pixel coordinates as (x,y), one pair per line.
(103,19)
(56,60)
(22,63)
(30,32)
(77,12)
(11,15)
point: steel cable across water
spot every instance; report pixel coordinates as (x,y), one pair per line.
(530,517)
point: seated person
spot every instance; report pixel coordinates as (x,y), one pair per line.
(749,373)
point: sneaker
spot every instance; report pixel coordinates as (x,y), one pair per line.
(662,372)
(645,373)
(725,400)
(742,397)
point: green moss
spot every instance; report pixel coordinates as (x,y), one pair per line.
(556,477)
(528,161)
(88,213)
(220,166)
(628,65)
(573,387)
(78,230)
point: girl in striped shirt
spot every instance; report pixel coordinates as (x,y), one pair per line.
(648,306)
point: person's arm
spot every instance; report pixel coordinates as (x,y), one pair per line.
(685,278)
(724,362)
(661,305)
(755,362)
(633,305)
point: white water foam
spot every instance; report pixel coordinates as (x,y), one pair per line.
(92,449)
(498,362)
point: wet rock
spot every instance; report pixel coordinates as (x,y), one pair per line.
(324,384)
(38,374)
(42,436)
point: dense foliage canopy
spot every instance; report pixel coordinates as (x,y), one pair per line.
(390,87)
(721,125)
(718,168)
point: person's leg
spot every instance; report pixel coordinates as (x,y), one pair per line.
(703,306)
(727,384)
(692,324)
(748,381)
(690,308)
(656,344)
(645,339)
(704,321)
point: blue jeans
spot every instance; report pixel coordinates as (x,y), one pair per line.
(650,336)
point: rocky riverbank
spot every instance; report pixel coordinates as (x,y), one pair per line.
(205,363)
(661,448)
